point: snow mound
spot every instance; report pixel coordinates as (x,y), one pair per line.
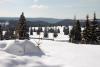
(23,47)
(2,44)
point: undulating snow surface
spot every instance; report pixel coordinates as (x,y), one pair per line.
(57,53)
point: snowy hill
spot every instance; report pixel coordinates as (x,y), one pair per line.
(57,53)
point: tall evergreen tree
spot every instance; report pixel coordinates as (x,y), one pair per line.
(75,34)
(78,31)
(93,30)
(87,31)
(22,28)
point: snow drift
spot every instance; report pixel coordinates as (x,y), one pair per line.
(23,47)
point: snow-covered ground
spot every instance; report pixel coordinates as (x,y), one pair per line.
(57,53)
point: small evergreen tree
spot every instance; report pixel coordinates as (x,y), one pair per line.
(46,32)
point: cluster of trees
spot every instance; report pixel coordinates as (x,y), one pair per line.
(90,34)
(18,32)
(46,30)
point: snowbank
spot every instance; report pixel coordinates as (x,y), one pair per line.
(2,44)
(23,47)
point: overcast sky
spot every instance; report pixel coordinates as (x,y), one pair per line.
(50,8)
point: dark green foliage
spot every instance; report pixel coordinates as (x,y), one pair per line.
(90,33)
(22,28)
(75,33)
(46,32)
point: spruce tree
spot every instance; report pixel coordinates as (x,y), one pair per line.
(87,31)
(75,34)
(22,28)
(93,30)
(78,31)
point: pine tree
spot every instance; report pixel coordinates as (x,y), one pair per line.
(87,31)
(75,34)
(46,32)
(93,30)
(78,31)
(22,28)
